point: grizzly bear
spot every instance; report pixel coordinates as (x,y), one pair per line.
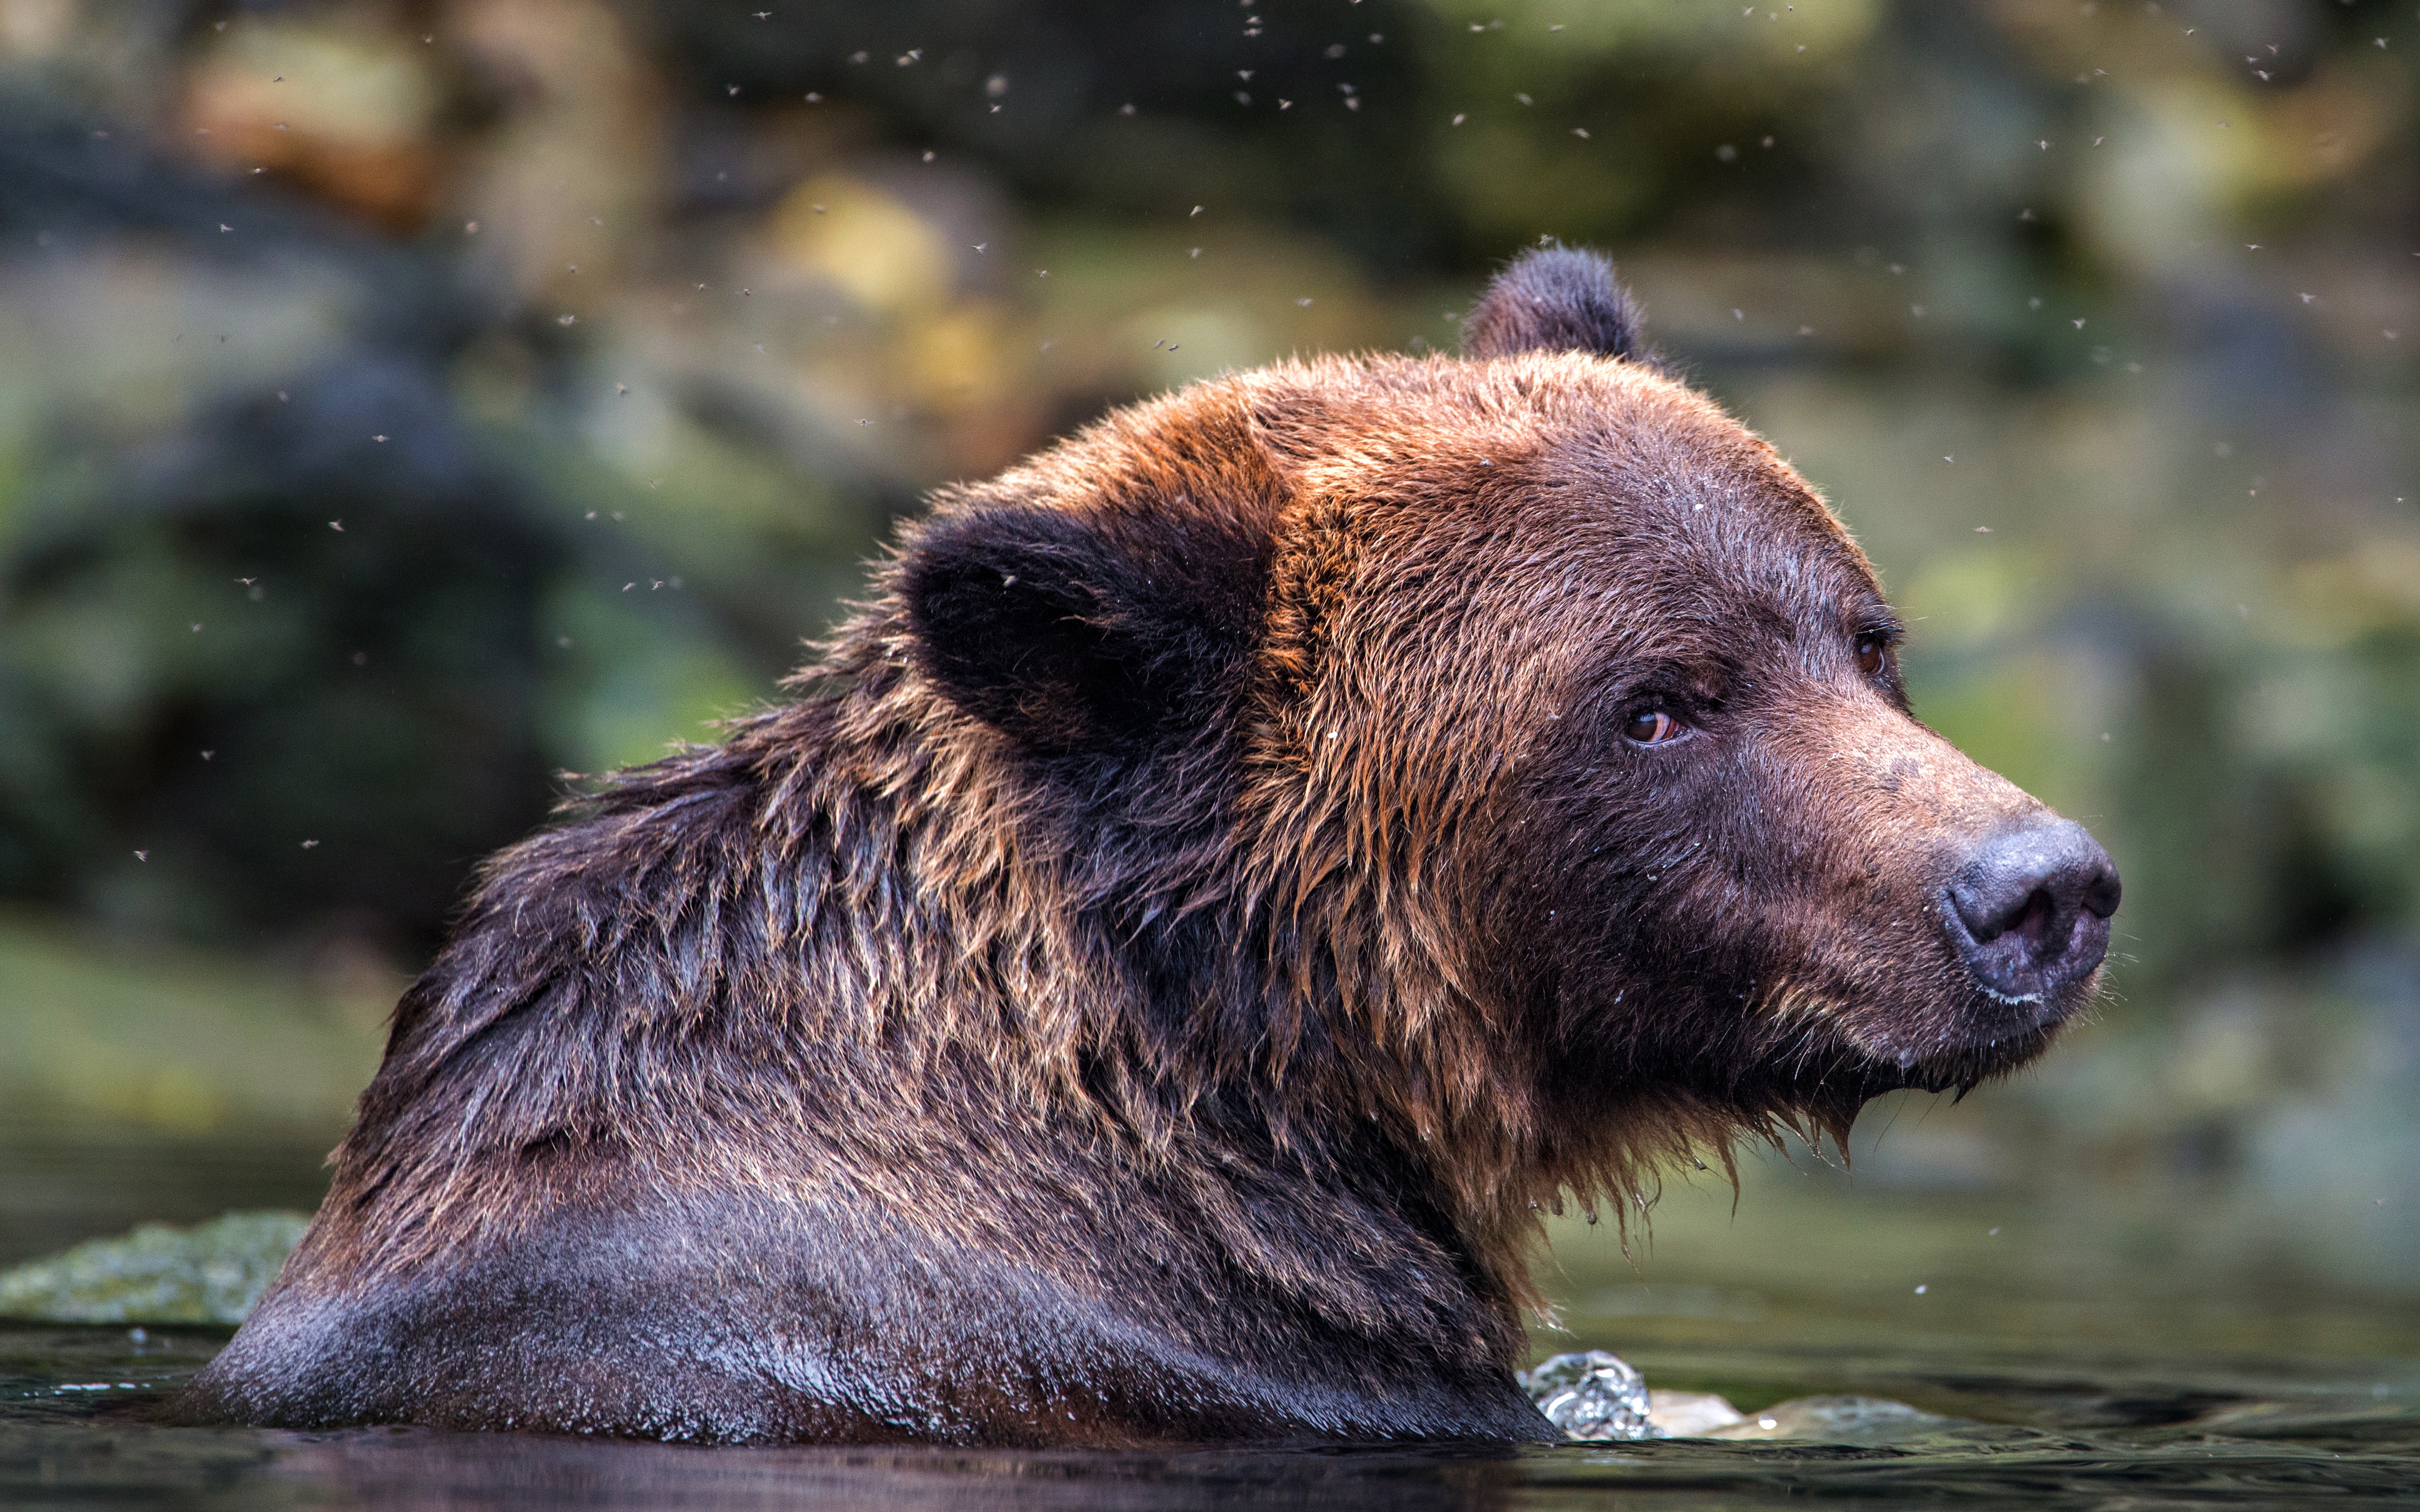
(1243,864)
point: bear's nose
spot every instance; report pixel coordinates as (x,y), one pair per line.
(2031,908)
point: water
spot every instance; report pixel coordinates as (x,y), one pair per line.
(63,1183)
(2060,1354)
(1594,1396)
(2052,1433)
(2116,1430)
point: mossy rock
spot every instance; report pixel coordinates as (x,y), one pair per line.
(211,1272)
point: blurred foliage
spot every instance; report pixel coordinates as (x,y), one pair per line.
(408,403)
(183,1041)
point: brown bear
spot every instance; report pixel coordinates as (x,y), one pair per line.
(1243,864)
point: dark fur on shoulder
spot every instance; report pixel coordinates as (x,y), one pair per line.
(1188,926)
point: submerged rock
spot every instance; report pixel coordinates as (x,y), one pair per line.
(1598,1397)
(1594,1396)
(210,1273)
(1690,1414)
(1859,1420)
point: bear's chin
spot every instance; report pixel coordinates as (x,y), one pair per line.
(1989,1036)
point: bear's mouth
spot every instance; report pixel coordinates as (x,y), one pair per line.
(1995,1036)
(1880,1047)
(1896,1036)
(2026,920)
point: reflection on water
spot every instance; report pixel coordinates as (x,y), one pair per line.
(2059,1353)
(2055,1347)
(2134,1430)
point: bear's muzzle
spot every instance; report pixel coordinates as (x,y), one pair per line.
(2030,912)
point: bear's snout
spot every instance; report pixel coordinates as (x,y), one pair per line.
(2030,910)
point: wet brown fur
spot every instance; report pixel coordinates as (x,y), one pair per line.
(1192,922)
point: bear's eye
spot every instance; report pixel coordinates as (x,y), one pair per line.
(1873,654)
(1653,727)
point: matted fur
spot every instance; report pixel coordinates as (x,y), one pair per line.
(1190,923)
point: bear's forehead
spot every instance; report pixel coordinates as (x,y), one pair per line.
(1372,424)
(1597,472)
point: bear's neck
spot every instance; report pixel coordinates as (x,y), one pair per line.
(871,983)
(1166,965)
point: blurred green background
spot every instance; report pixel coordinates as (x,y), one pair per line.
(405,405)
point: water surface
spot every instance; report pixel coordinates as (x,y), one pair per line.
(2078,1429)
(2071,1352)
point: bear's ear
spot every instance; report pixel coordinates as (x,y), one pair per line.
(1084,631)
(1553,299)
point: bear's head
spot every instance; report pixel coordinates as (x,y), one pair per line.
(1510,749)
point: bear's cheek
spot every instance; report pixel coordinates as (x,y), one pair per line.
(1607,900)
